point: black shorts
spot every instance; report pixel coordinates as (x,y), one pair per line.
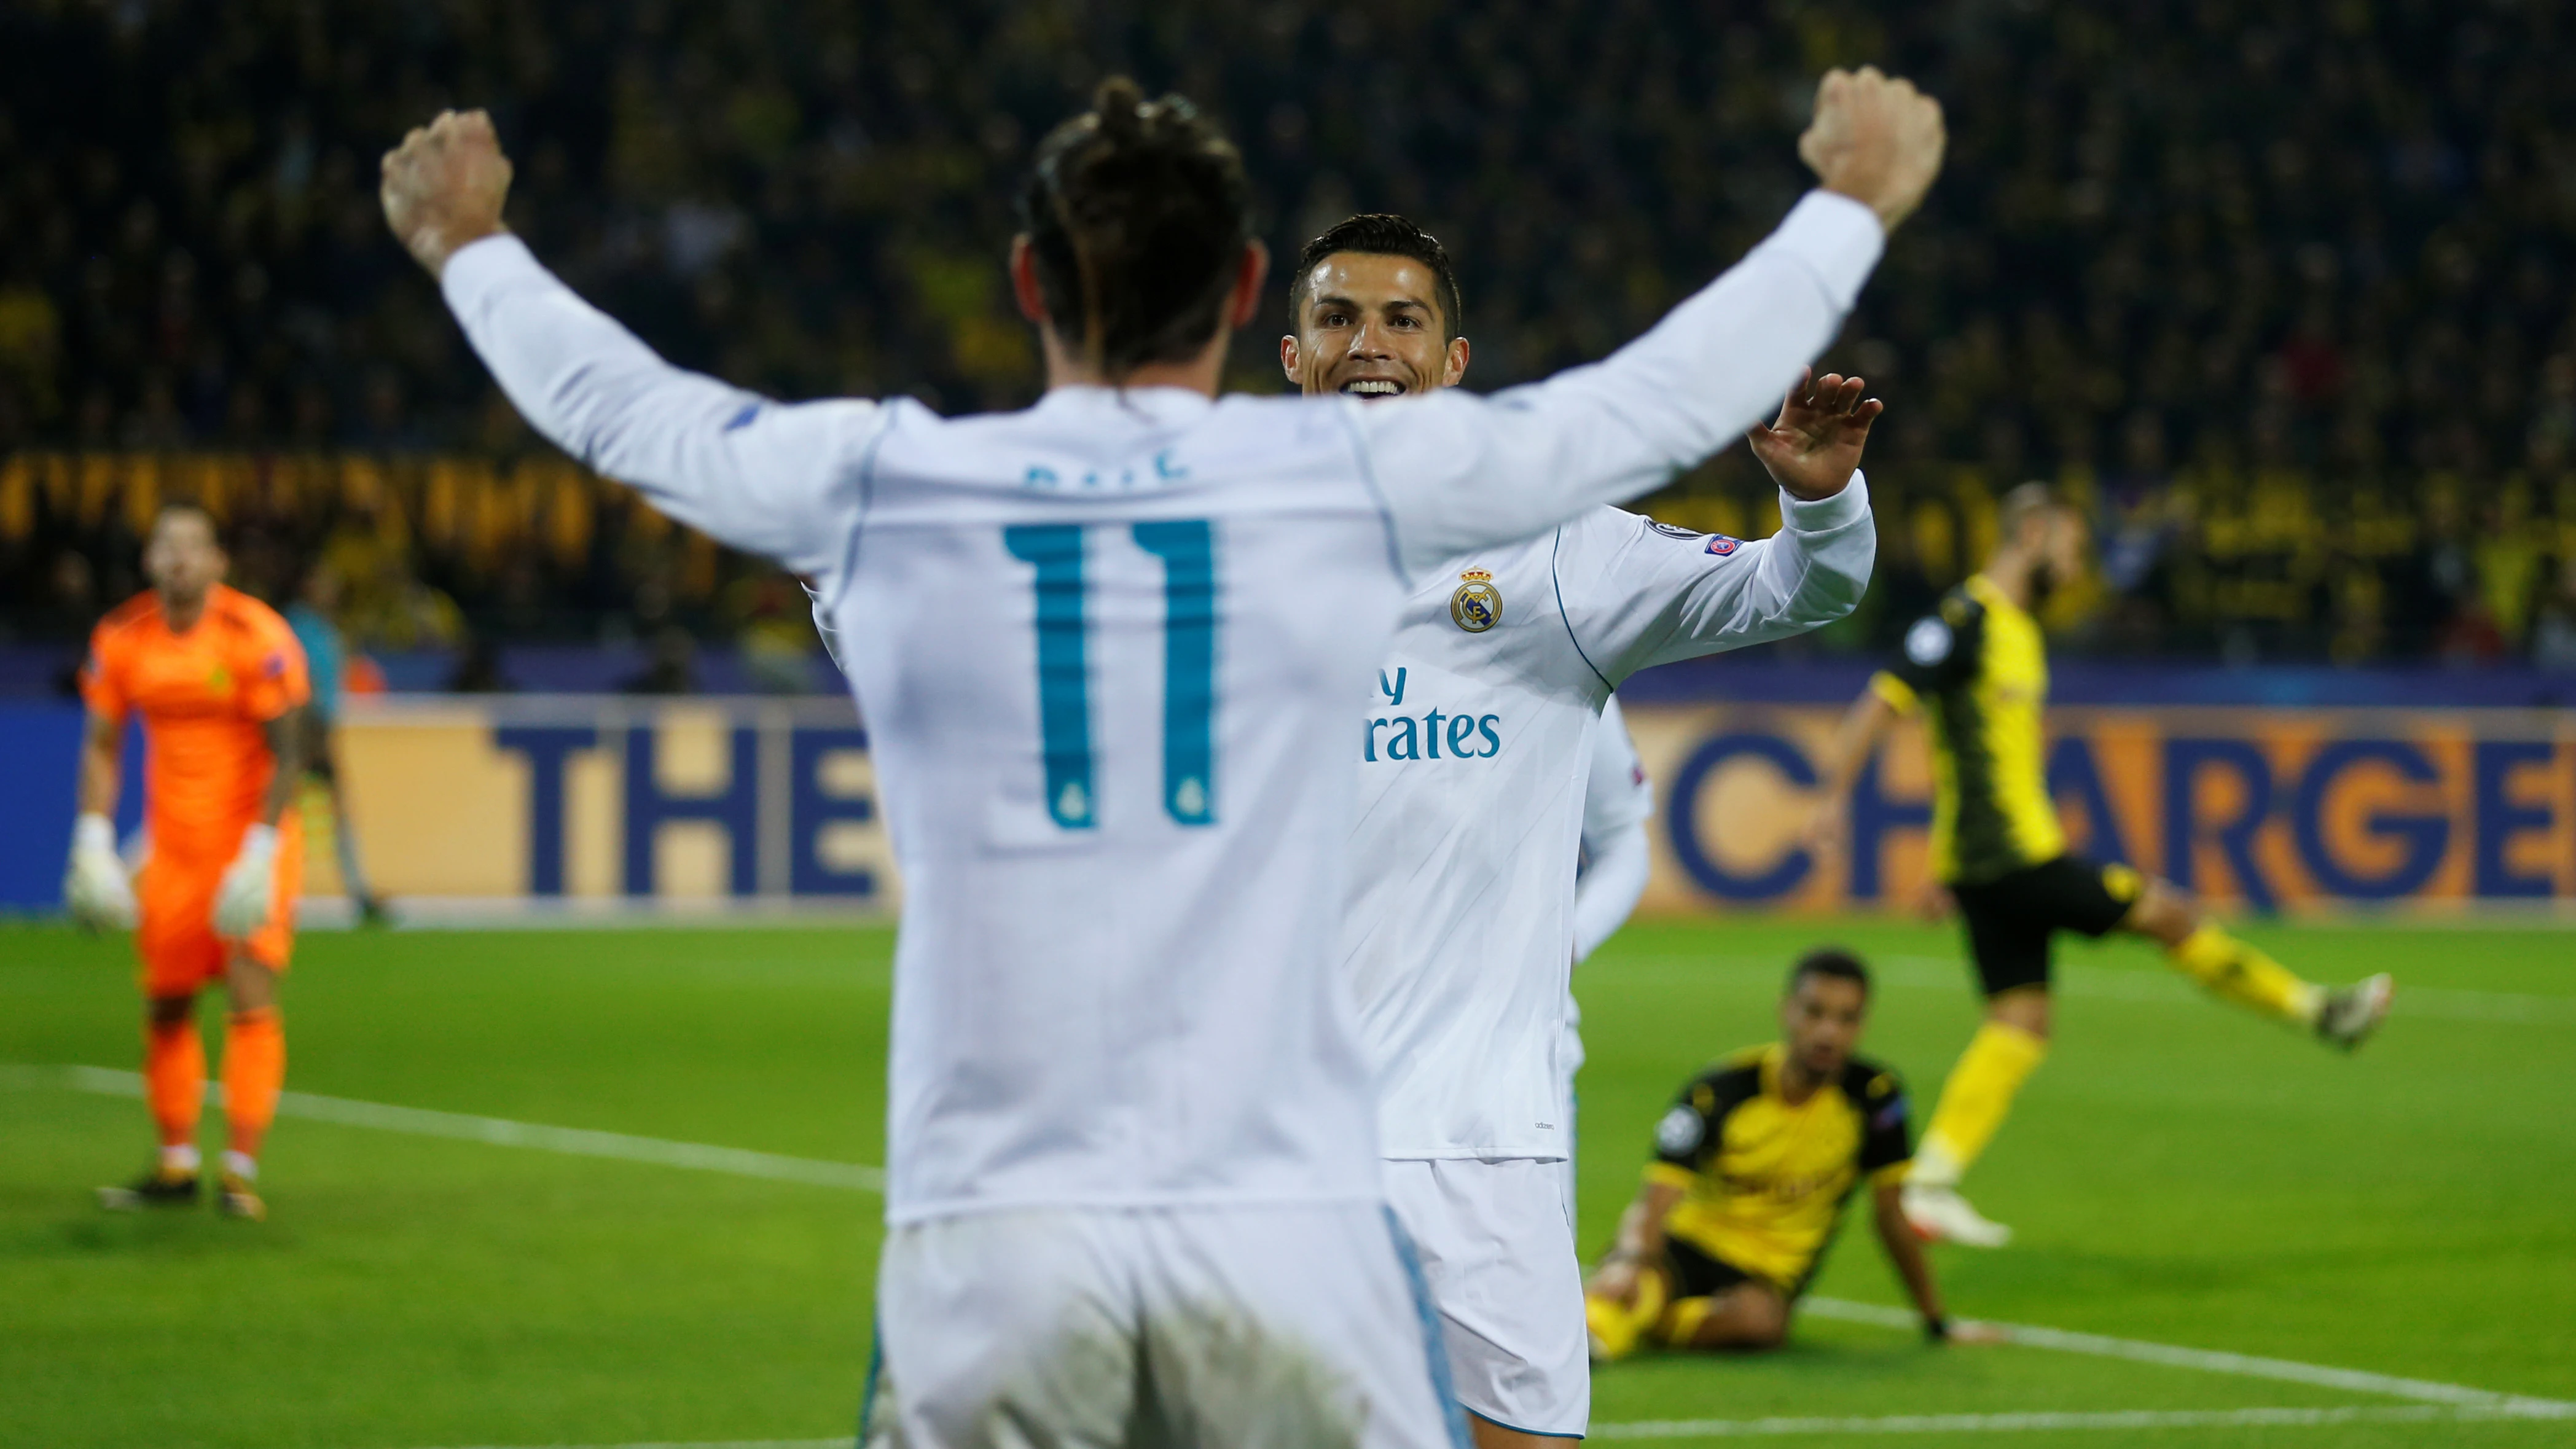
(2011,918)
(1698,1275)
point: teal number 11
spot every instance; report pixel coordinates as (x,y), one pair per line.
(1187,548)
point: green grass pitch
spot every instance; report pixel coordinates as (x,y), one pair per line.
(2179,1173)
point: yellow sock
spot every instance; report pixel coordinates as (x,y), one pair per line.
(1619,1328)
(1975,1101)
(2244,975)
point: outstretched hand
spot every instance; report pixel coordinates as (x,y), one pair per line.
(1814,446)
(444,185)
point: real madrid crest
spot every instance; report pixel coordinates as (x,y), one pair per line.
(1478,605)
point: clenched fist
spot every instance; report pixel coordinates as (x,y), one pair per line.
(1876,140)
(444,185)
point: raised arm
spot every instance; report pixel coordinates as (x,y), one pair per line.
(771,479)
(1462,472)
(1815,569)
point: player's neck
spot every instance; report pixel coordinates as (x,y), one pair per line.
(2010,574)
(1797,1084)
(181,614)
(1202,374)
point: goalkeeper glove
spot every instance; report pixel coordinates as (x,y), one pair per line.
(96,887)
(250,884)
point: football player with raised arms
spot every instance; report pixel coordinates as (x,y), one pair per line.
(1474,756)
(1106,648)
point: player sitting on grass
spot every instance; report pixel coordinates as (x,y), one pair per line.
(1978,671)
(218,681)
(1752,1167)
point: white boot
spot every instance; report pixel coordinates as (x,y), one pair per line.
(1939,1214)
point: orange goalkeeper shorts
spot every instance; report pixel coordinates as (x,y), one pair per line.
(175,926)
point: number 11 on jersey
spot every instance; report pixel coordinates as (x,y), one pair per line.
(1187,548)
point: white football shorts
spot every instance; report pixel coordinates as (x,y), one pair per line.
(1288,1326)
(1498,1251)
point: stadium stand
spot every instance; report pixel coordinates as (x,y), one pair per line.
(2319,388)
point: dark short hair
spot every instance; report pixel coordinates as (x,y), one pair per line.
(1831,961)
(1137,213)
(1382,234)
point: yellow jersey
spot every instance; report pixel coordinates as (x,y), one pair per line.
(1764,1180)
(1978,671)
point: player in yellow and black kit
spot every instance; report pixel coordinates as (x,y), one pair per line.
(1753,1166)
(1977,671)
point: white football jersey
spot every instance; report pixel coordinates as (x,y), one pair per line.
(1105,650)
(1479,741)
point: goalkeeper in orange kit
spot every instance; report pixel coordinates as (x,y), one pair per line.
(217,679)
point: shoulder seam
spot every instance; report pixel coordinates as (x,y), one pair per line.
(859,518)
(1556,545)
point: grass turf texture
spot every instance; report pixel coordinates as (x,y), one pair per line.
(2179,1172)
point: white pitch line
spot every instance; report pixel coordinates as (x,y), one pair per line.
(2240,1365)
(2044,1421)
(1788,1427)
(501,1132)
(844,1442)
(702,1157)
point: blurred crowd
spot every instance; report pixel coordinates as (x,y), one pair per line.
(2282,292)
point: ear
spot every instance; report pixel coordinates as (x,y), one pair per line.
(1249,274)
(1288,356)
(1024,280)
(1457,367)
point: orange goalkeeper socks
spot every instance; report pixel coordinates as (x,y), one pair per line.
(254,1071)
(174,1079)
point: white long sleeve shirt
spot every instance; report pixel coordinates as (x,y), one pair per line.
(1105,649)
(1462,918)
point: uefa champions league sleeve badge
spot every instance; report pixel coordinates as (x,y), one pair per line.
(1478,605)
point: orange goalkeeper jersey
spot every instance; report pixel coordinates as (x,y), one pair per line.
(204,696)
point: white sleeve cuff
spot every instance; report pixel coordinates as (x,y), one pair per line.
(1834,237)
(1826,514)
(478,268)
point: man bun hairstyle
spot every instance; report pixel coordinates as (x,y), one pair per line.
(1833,961)
(1382,234)
(1137,214)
